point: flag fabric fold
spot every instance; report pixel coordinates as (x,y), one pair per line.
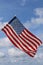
(21,37)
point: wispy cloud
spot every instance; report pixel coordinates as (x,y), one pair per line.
(39,12)
(23,2)
(15,52)
(35,22)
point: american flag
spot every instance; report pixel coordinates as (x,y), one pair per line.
(21,37)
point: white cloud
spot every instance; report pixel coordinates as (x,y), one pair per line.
(5,42)
(2,54)
(39,57)
(39,12)
(35,22)
(15,52)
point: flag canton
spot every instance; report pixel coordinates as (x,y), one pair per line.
(17,25)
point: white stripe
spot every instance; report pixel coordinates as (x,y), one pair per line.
(32,37)
(16,38)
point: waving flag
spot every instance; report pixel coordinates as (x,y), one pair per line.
(21,37)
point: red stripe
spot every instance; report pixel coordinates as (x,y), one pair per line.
(33,35)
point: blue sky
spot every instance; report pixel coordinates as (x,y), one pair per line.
(30,13)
